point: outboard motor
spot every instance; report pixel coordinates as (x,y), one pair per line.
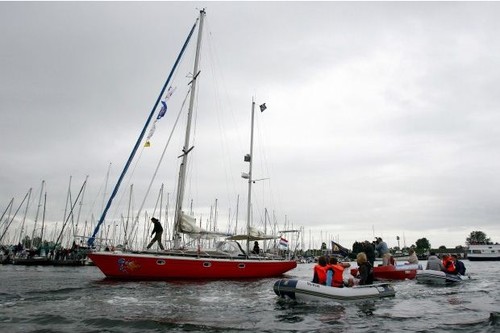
(285,288)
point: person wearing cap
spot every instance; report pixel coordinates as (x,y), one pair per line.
(157,231)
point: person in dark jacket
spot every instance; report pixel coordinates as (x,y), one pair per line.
(256,248)
(369,249)
(459,265)
(365,270)
(157,231)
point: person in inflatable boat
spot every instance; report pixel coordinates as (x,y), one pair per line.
(335,274)
(449,264)
(365,270)
(434,263)
(458,264)
(320,269)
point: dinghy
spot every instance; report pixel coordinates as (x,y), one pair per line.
(390,272)
(429,276)
(308,291)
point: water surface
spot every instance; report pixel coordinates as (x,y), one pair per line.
(80,299)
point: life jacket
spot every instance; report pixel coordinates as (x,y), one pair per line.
(338,276)
(320,274)
(449,266)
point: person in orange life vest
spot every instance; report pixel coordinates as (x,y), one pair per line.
(320,271)
(449,264)
(337,268)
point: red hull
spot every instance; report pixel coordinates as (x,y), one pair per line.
(385,273)
(158,266)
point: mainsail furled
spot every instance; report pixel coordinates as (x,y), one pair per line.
(253,235)
(188,226)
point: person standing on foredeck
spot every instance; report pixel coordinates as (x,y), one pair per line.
(157,231)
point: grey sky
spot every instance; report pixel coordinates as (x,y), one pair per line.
(382,116)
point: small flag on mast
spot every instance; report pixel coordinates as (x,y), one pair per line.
(263,107)
(284,242)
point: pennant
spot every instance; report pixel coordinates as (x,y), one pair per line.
(169,93)
(263,107)
(163,110)
(160,115)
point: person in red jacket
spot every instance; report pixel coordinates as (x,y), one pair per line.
(449,264)
(320,271)
(338,273)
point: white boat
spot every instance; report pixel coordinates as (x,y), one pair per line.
(429,276)
(483,252)
(301,290)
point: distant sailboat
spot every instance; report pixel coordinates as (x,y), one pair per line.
(227,261)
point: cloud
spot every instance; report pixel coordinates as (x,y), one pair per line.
(380,121)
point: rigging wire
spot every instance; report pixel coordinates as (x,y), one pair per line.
(141,207)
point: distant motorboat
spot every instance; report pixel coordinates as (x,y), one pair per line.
(308,291)
(429,276)
(483,252)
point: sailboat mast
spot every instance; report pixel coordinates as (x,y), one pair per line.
(43,217)
(249,158)
(37,212)
(24,218)
(187,148)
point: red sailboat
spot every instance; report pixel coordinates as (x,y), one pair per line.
(227,260)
